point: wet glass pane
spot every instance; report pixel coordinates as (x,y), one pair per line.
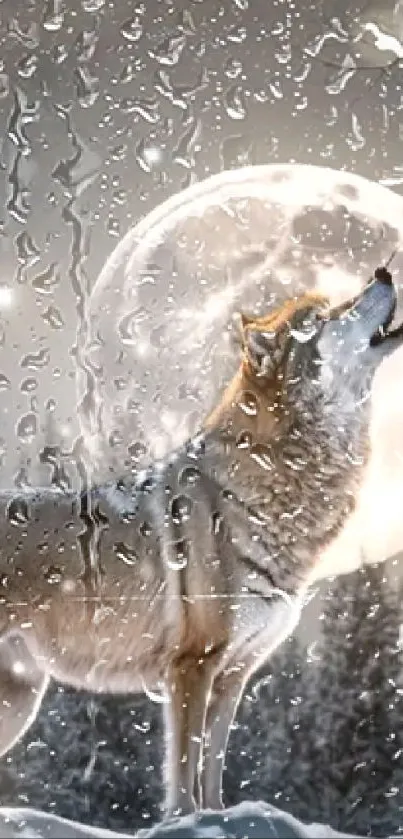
(201,402)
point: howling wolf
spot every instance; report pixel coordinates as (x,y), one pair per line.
(193,573)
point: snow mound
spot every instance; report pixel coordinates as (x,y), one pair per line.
(245,821)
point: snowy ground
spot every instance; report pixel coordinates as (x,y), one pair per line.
(245,821)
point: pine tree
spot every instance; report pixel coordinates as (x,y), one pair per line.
(268,756)
(359,732)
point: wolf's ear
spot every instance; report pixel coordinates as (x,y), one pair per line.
(261,350)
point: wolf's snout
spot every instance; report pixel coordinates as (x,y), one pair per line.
(376,309)
(376,305)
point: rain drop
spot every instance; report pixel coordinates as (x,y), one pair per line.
(244,440)
(27,427)
(169,50)
(5,383)
(54,16)
(85,45)
(127,329)
(261,455)
(234,103)
(87,87)
(181,508)
(4,85)
(92,5)
(189,476)
(153,696)
(53,575)
(36,361)
(27,252)
(53,317)
(177,554)
(302,336)
(17,512)
(248,403)
(28,385)
(132,29)
(137,450)
(27,67)
(233,68)
(45,283)
(125,553)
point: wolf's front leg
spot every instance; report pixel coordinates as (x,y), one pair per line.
(227,690)
(22,686)
(189,684)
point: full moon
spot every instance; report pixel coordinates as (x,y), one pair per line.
(161,343)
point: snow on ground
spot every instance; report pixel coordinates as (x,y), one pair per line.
(245,821)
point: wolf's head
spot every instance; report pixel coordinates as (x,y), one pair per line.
(312,355)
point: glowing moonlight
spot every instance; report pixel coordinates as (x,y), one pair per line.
(161,312)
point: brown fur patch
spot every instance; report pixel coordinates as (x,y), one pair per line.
(280,317)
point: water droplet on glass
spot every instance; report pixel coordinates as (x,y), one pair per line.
(27,427)
(177,554)
(147,156)
(27,67)
(28,385)
(53,575)
(248,403)
(27,252)
(92,5)
(36,361)
(189,476)
(244,440)
(147,109)
(237,34)
(127,329)
(128,73)
(234,102)
(113,227)
(233,68)
(4,85)
(132,29)
(261,455)
(181,508)
(87,87)
(27,35)
(168,51)
(183,151)
(85,45)
(125,553)
(356,140)
(153,696)
(45,282)
(53,317)
(145,529)
(5,383)
(302,336)
(59,53)
(53,16)
(346,72)
(137,451)
(17,512)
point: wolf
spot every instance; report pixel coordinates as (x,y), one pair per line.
(190,575)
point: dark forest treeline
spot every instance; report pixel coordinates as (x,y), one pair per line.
(319,734)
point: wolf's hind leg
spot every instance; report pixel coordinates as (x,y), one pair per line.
(22,687)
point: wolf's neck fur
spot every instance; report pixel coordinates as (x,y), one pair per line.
(296,473)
